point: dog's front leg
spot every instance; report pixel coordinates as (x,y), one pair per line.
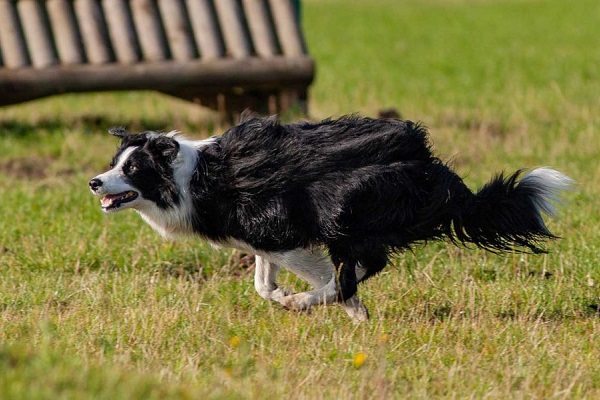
(314,267)
(265,273)
(324,295)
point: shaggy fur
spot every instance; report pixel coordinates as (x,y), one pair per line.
(328,200)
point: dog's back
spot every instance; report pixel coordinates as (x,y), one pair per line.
(259,147)
(296,185)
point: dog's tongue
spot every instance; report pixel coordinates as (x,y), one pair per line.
(107,200)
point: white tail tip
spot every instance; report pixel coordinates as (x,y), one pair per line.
(549,184)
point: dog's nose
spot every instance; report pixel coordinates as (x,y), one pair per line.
(95,184)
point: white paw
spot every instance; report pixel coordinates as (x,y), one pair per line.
(281,292)
(296,302)
(355,309)
(359,314)
(274,294)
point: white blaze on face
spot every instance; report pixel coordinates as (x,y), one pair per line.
(114,181)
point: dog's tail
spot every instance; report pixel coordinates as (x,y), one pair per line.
(507,213)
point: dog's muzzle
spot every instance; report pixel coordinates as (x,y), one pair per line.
(111,201)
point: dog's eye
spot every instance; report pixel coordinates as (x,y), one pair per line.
(129,168)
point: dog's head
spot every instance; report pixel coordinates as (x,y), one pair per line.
(141,174)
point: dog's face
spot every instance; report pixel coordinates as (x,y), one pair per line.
(141,174)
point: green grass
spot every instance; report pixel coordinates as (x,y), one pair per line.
(97,306)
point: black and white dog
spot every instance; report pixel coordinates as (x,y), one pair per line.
(329,201)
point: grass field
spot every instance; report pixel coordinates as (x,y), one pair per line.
(96,306)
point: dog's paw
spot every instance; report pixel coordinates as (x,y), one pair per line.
(281,292)
(359,314)
(296,302)
(274,294)
(355,309)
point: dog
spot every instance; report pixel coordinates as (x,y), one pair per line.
(330,201)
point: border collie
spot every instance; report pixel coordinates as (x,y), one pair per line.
(329,201)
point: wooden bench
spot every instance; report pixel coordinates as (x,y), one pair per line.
(224,54)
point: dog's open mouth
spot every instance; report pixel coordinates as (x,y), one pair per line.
(114,201)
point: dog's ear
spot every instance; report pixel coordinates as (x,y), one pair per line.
(119,132)
(163,147)
(247,115)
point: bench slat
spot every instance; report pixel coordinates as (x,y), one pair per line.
(288,30)
(121,31)
(149,30)
(231,20)
(206,29)
(66,35)
(179,31)
(93,30)
(37,34)
(261,27)
(12,41)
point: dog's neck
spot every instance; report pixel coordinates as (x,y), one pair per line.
(177,220)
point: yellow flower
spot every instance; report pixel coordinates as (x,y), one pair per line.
(359,359)
(234,341)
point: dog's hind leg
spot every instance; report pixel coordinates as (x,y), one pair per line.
(371,264)
(349,272)
(265,273)
(346,293)
(367,267)
(345,269)
(355,309)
